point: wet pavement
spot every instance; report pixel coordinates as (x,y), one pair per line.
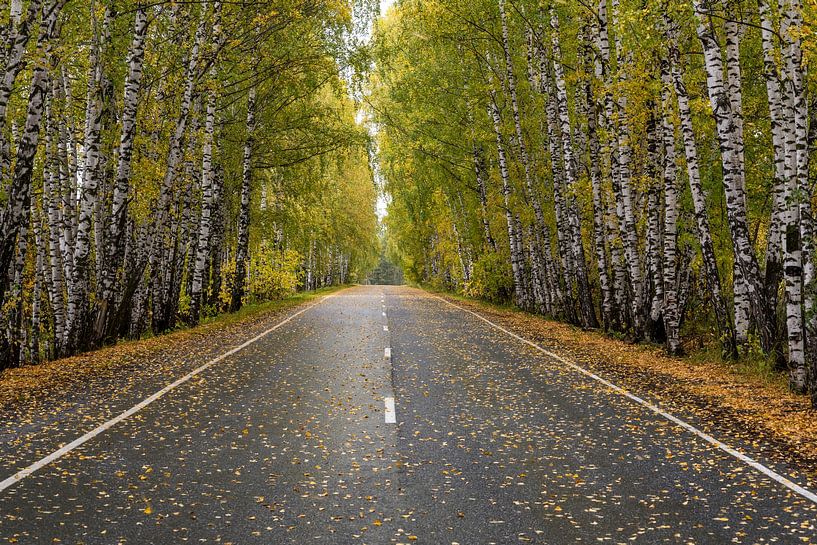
(287,441)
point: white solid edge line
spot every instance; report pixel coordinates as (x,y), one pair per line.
(387,353)
(57,454)
(391,414)
(794,487)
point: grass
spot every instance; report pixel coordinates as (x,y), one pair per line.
(255,309)
(31,382)
(246,312)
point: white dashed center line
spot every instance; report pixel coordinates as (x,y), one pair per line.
(387,353)
(385,328)
(391,415)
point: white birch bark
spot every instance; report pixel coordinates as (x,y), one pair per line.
(19,194)
(242,246)
(479,171)
(77,315)
(15,45)
(611,150)
(217,254)
(39,276)
(599,205)
(625,196)
(654,242)
(516,262)
(723,319)
(51,201)
(735,94)
(530,189)
(114,250)
(587,311)
(771,75)
(14,40)
(563,233)
(671,308)
(733,173)
(174,155)
(203,245)
(797,189)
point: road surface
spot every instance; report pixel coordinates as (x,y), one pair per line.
(384,415)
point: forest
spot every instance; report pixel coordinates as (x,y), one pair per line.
(161,162)
(638,167)
(643,167)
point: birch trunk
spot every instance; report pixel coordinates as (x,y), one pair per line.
(771,75)
(585,297)
(563,232)
(671,308)
(242,247)
(655,322)
(733,175)
(217,236)
(713,280)
(797,241)
(174,154)
(15,39)
(599,207)
(115,247)
(733,90)
(203,245)
(479,170)
(78,302)
(516,261)
(19,192)
(15,45)
(530,189)
(39,269)
(611,150)
(625,196)
(540,291)
(68,180)
(51,201)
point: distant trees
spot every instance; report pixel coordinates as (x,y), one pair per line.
(651,173)
(156,168)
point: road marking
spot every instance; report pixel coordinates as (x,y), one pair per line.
(384,313)
(385,328)
(794,487)
(387,353)
(59,453)
(391,414)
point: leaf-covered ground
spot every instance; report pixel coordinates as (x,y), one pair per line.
(725,401)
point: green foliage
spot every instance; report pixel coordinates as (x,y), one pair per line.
(386,273)
(274,274)
(492,279)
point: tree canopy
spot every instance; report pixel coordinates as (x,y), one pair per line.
(161,161)
(643,167)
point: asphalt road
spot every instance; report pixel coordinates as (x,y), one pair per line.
(289,440)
